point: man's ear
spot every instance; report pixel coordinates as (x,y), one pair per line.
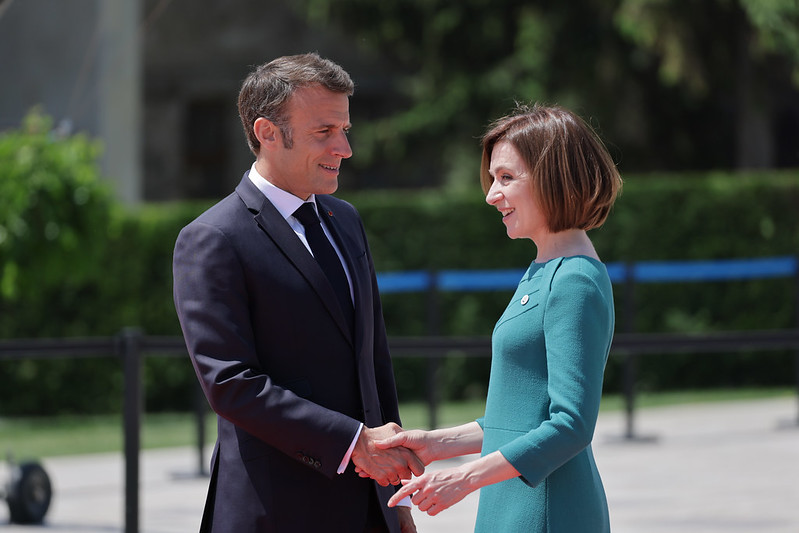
(266,132)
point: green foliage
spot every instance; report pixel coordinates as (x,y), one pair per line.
(74,263)
(657,217)
(454,60)
(777,24)
(54,222)
(669,31)
(674,85)
(51,207)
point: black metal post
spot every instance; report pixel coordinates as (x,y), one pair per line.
(796,322)
(629,359)
(433,360)
(129,346)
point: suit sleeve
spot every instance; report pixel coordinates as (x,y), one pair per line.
(213,307)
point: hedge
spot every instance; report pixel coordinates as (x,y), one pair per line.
(75,263)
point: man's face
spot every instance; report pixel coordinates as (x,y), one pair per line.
(319,120)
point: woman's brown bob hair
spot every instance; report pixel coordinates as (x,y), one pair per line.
(572,176)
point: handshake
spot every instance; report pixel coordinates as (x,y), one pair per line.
(388,454)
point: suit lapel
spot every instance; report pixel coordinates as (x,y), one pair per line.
(350,250)
(275,226)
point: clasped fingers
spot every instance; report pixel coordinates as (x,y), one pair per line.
(434,492)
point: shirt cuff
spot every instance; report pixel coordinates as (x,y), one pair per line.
(405,502)
(344,462)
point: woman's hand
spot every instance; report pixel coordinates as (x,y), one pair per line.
(435,491)
(435,444)
(418,441)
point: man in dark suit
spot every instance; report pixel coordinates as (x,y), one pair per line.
(298,373)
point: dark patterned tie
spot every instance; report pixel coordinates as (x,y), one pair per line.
(326,256)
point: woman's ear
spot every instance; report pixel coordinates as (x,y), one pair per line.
(266,132)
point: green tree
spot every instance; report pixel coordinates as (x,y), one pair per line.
(54,223)
(746,52)
(73,263)
(671,85)
(452,59)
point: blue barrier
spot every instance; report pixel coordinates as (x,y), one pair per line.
(618,272)
(641,272)
(479,280)
(411,281)
(715,270)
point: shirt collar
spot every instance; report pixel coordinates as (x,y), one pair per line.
(285,202)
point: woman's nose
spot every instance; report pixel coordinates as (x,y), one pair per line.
(493,195)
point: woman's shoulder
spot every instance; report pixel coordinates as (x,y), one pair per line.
(582,263)
(579,270)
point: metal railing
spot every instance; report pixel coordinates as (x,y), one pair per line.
(132,345)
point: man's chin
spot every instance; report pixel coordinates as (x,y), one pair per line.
(329,187)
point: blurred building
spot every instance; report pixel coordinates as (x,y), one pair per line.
(157,80)
(79,60)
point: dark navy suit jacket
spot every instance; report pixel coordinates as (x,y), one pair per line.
(274,356)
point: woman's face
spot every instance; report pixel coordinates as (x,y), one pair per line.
(512,194)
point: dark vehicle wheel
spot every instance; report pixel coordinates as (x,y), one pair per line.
(29,494)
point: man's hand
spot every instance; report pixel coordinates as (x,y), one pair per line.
(416,440)
(384,466)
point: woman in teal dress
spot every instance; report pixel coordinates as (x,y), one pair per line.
(551,179)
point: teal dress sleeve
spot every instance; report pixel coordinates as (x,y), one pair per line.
(578,329)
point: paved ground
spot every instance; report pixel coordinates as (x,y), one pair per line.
(701,469)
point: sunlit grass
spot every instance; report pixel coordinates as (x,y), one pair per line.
(32,438)
(26,438)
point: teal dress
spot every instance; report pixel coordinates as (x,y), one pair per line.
(549,351)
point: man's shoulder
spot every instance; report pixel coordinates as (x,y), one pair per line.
(221,212)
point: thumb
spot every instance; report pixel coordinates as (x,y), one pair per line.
(391,442)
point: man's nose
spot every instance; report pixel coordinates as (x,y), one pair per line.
(341,147)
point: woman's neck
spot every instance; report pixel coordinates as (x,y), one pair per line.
(566,243)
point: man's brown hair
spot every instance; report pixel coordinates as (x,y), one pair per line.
(267,89)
